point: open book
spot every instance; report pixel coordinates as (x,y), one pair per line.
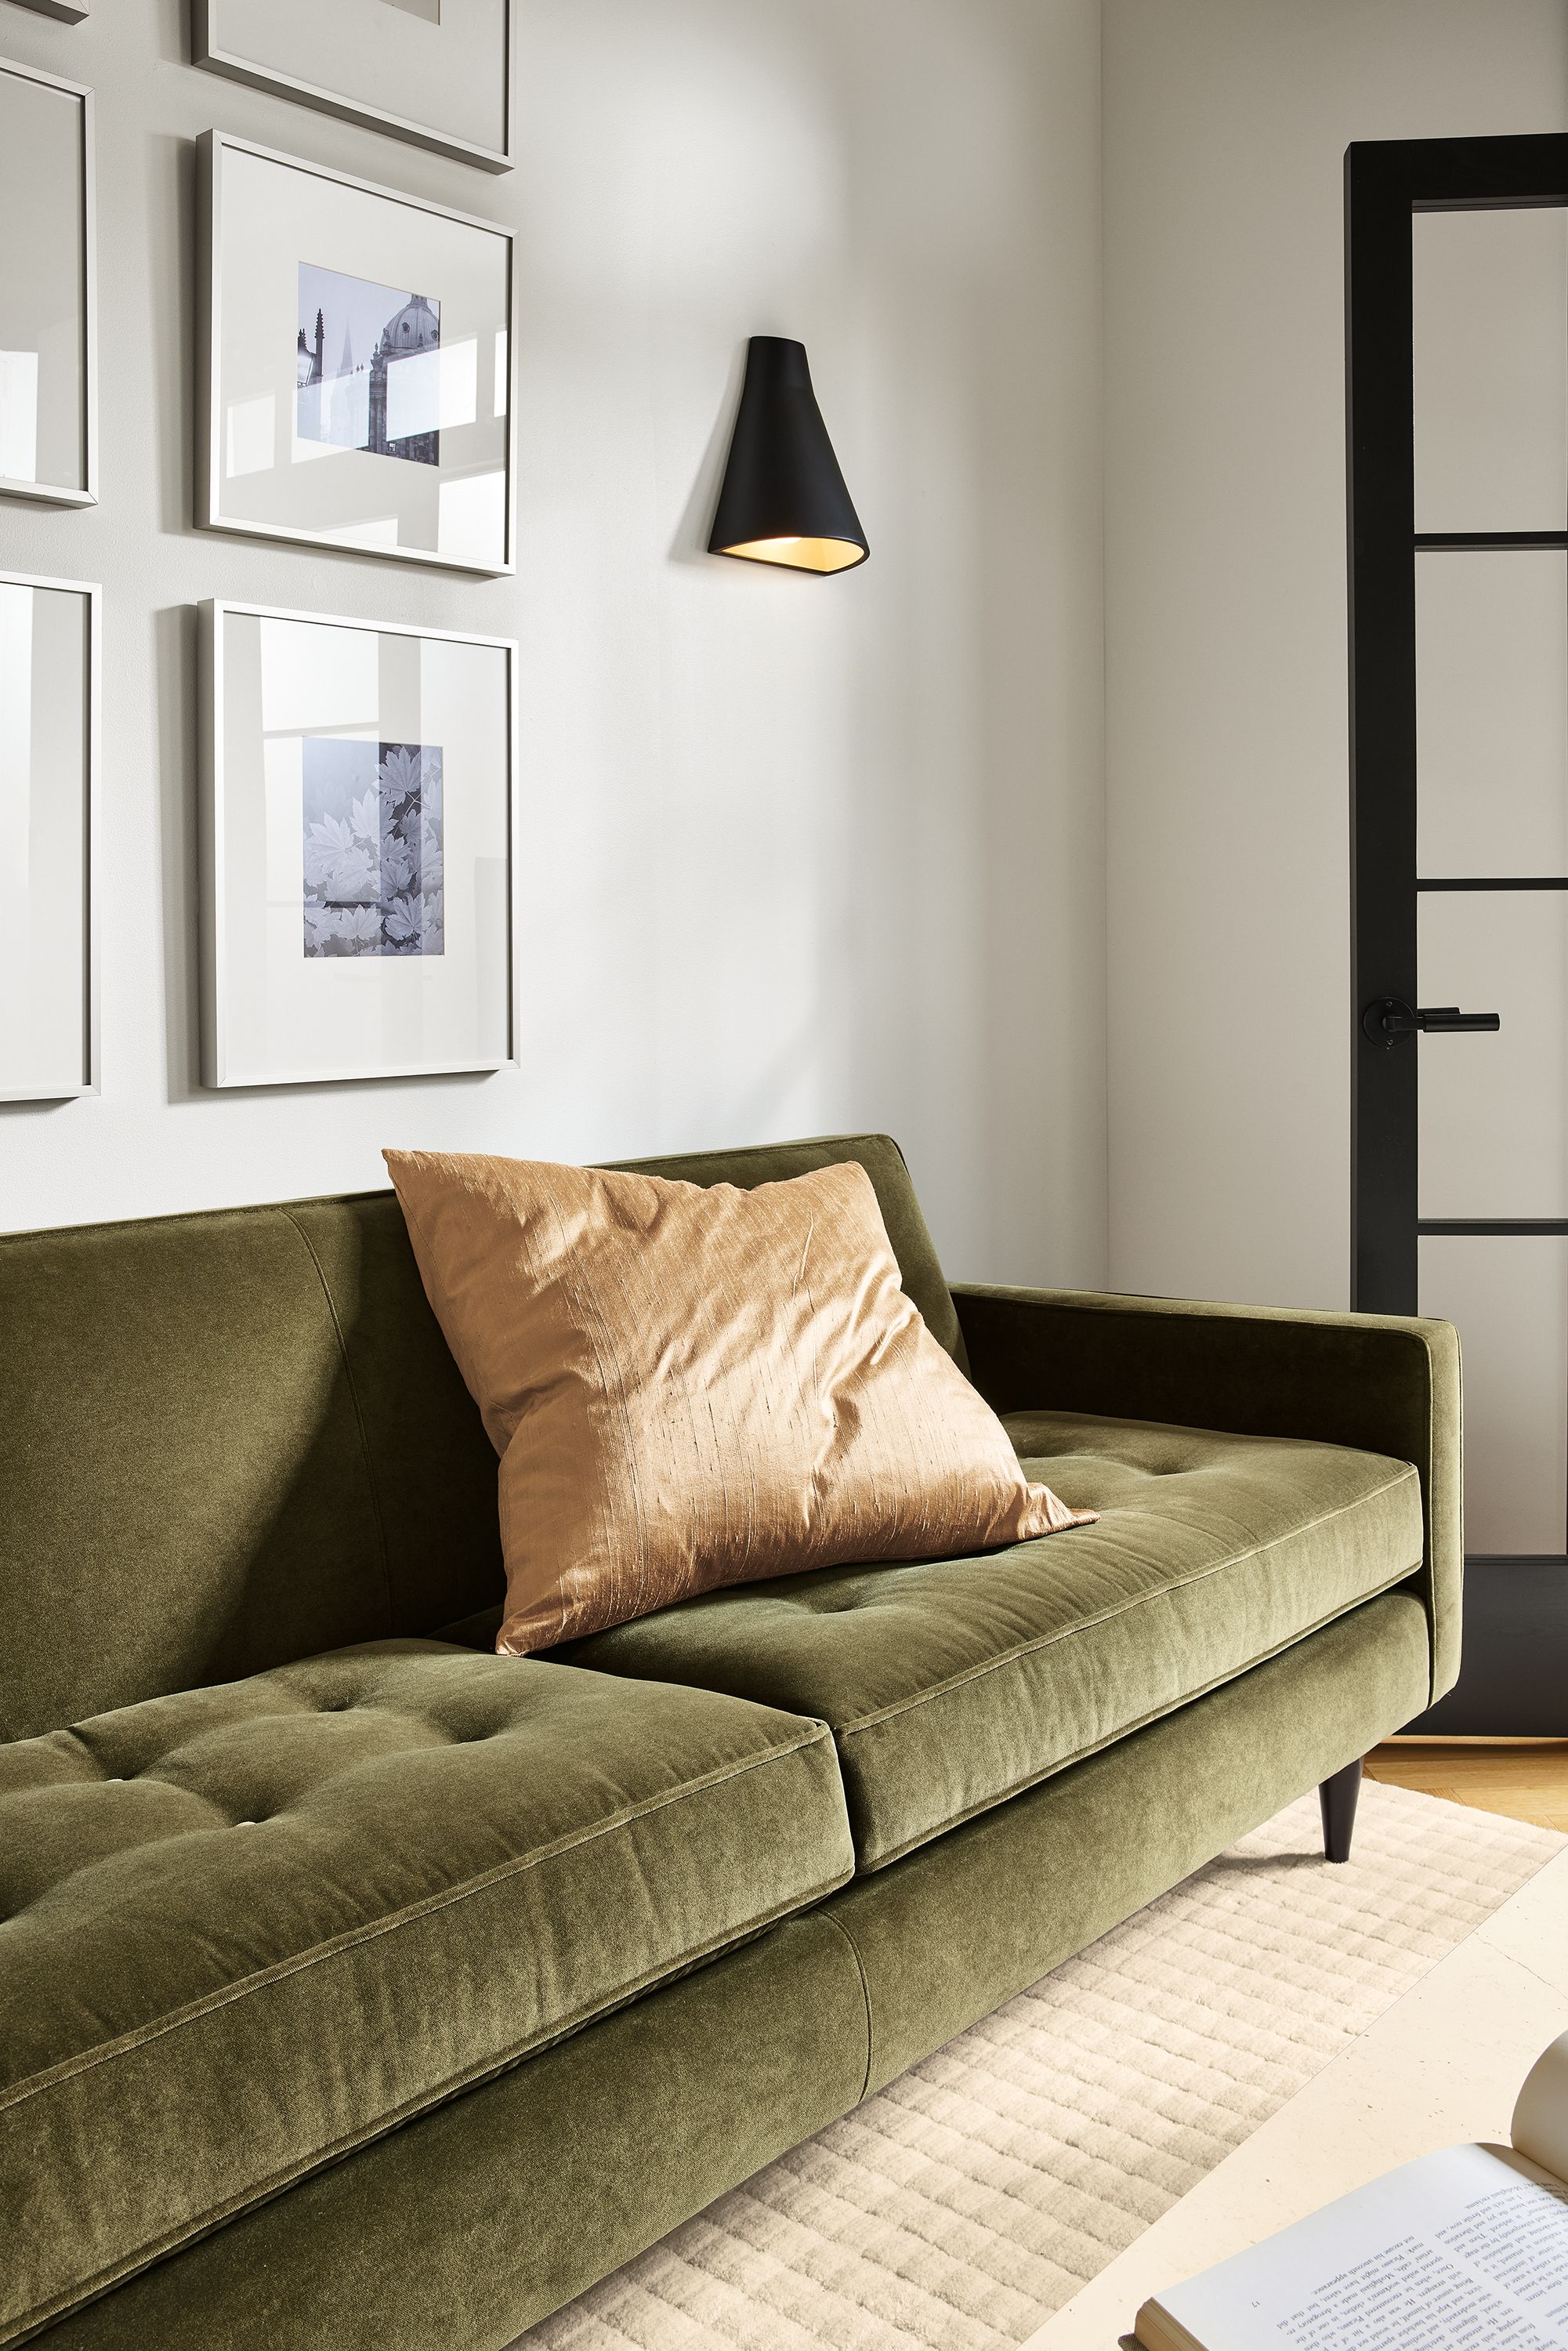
(1465,2250)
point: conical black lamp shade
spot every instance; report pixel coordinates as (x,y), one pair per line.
(784,499)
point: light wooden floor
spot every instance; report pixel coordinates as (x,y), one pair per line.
(1526,1778)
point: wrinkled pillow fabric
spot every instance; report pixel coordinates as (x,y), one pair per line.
(692,1386)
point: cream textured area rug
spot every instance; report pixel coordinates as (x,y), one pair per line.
(960,2207)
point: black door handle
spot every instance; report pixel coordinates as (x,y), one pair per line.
(1388,1018)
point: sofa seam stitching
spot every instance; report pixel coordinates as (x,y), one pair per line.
(376,1511)
(1143,1600)
(71,2069)
(411,2110)
(865,1995)
(1143,1722)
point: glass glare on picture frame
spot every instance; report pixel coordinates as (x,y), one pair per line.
(46,316)
(354,366)
(437,72)
(368,365)
(360,781)
(46,789)
(19,416)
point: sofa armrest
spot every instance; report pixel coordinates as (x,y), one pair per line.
(1382,1383)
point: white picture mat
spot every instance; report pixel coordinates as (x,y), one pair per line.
(44,308)
(272,213)
(276,1016)
(448,76)
(45,825)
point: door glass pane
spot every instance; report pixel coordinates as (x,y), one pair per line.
(1509,1298)
(1494,1109)
(1491,713)
(1491,370)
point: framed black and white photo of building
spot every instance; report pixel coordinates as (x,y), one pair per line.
(48,822)
(47,329)
(438,72)
(358,365)
(357,819)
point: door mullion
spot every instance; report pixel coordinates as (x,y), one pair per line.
(1512,542)
(1380,457)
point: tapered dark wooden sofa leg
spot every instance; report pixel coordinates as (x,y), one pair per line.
(1336,1799)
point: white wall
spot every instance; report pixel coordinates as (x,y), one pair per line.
(795,854)
(1226,123)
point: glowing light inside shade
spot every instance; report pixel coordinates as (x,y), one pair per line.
(802,554)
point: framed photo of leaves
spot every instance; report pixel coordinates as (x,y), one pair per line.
(438,72)
(49,668)
(357,364)
(357,823)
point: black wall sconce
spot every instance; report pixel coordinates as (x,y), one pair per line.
(784,499)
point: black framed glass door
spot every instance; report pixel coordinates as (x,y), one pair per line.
(1456,254)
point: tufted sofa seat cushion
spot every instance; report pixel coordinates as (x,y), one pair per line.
(952,1684)
(245,1929)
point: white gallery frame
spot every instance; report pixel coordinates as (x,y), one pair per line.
(65,12)
(209,47)
(85,493)
(92,731)
(213,848)
(212,147)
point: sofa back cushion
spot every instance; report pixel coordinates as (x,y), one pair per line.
(233,1440)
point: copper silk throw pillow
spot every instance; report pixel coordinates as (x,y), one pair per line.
(693,1387)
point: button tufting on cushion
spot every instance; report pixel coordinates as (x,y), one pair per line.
(156,1975)
(951,1685)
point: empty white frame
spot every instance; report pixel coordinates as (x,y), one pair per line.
(357,826)
(359,363)
(438,72)
(49,823)
(48,302)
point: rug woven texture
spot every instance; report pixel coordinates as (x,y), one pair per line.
(961,2206)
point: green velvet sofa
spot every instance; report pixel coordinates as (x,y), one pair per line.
(362,1991)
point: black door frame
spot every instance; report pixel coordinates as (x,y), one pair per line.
(1515,1677)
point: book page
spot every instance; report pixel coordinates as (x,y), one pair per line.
(1541,2117)
(1463,2251)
